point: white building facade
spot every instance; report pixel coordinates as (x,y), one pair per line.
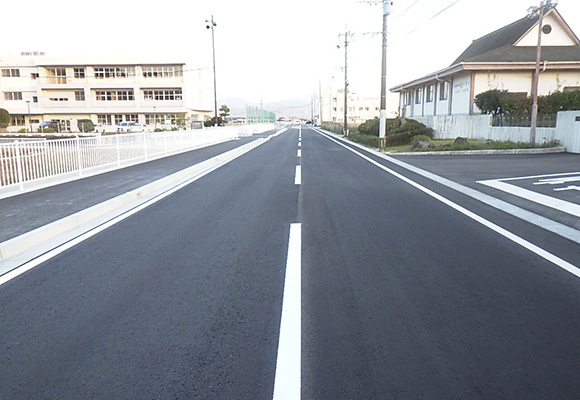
(504,60)
(35,88)
(359,109)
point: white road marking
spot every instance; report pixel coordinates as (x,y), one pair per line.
(557,181)
(552,202)
(299,154)
(298,175)
(571,187)
(505,233)
(288,362)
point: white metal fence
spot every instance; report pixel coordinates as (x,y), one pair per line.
(39,163)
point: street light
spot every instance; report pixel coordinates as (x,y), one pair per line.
(29,121)
(210,24)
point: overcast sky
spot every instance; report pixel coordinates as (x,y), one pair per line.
(268,50)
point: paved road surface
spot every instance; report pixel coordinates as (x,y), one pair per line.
(403,296)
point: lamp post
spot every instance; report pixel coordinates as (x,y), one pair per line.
(29,121)
(383,112)
(210,24)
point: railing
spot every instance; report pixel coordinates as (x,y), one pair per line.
(543,121)
(34,161)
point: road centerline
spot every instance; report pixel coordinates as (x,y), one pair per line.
(288,362)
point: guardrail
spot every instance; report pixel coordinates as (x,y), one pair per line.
(31,165)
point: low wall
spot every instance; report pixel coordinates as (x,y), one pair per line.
(567,130)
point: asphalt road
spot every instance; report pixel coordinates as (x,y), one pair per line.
(404,296)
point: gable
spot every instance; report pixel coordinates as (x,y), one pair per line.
(558,34)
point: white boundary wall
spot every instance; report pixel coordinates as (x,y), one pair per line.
(567,130)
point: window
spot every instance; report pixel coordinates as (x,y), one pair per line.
(114,95)
(104,119)
(160,119)
(132,117)
(12,95)
(162,71)
(79,95)
(114,72)
(418,96)
(57,75)
(568,89)
(58,99)
(118,119)
(34,75)
(443,90)
(10,72)
(408,96)
(17,120)
(79,73)
(163,94)
(35,99)
(429,94)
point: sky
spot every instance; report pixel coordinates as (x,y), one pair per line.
(269,51)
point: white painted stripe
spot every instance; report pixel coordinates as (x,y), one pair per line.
(299,154)
(288,362)
(91,230)
(505,233)
(298,175)
(299,144)
(548,201)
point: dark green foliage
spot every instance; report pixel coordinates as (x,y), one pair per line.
(4,118)
(85,125)
(212,122)
(367,140)
(498,102)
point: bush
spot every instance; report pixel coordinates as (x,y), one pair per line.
(4,118)
(85,125)
(366,140)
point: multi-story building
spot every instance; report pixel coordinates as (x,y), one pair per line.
(36,88)
(359,109)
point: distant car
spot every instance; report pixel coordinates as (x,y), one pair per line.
(129,126)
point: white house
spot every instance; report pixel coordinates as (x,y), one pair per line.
(36,88)
(504,59)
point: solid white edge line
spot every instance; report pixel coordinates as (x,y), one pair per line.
(34,262)
(288,362)
(298,175)
(514,238)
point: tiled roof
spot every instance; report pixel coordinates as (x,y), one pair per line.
(528,54)
(503,37)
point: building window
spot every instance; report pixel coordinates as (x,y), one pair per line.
(409,97)
(35,99)
(104,119)
(114,72)
(10,72)
(58,99)
(57,75)
(132,117)
(12,95)
(79,73)
(79,95)
(114,95)
(418,96)
(568,89)
(161,119)
(162,71)
(443,90)
(118,119)
(429,94)
(34,75)
(164,94)
(17,120)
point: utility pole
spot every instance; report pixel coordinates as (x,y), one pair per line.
(544,6)
(347,36)
(383,112)
(210,24)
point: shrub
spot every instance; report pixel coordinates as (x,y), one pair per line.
(4,118)
(85,125)
(366,140)
(420,138)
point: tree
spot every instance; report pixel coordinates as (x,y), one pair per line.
(224,111)
(4,118)
(491,102)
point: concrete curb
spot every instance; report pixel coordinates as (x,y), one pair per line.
(36,242)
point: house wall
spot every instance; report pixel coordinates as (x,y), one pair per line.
(557,37)
(461,94)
